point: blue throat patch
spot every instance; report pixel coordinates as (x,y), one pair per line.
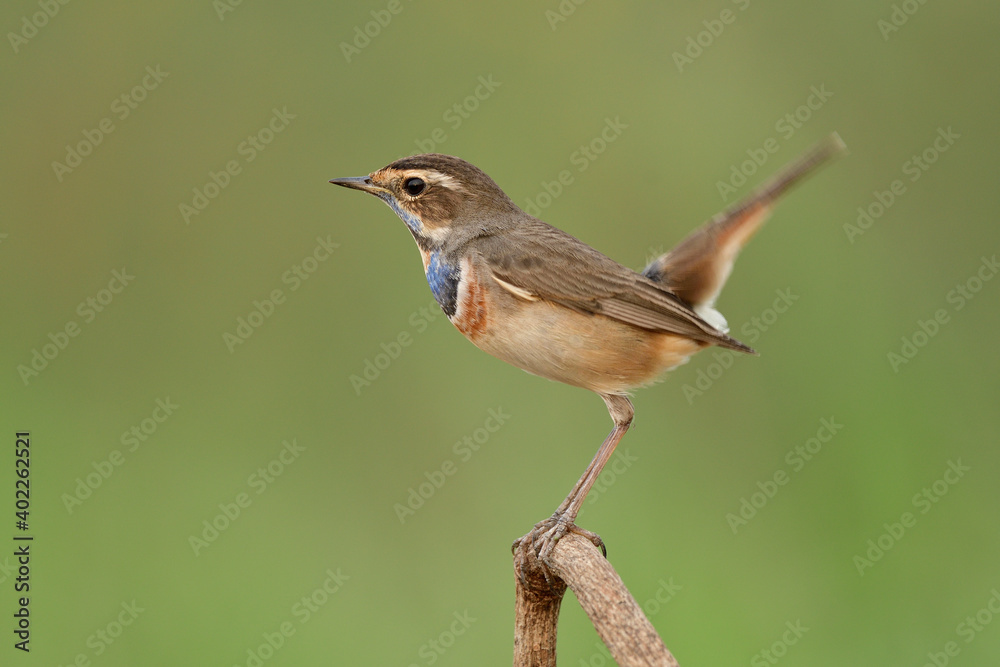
(443,279)
(412,221)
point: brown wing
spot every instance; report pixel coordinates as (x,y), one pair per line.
(540,261)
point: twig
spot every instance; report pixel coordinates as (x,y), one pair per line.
(617,617)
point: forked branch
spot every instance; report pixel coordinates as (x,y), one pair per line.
(617,617)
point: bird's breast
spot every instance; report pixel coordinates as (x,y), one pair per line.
(548,339)
(472,302)
(460,291)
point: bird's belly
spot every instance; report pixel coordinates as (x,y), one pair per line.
(590,351)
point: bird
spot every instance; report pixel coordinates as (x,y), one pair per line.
(544,301)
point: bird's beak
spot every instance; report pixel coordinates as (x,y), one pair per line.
(359,183)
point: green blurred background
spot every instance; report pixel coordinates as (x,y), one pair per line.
(435,586)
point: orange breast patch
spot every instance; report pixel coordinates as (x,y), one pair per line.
(472,315)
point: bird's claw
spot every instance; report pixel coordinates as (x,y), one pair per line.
(538,545)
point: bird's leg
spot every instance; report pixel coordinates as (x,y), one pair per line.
(621,412)
(546,534)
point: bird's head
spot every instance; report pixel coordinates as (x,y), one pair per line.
(437,196)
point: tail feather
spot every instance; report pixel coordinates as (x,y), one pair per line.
(698,267)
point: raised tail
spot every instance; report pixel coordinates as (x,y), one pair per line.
(698,267)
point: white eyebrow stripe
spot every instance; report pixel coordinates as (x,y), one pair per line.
(447,181)
(435,177)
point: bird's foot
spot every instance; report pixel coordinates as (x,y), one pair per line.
(536,548)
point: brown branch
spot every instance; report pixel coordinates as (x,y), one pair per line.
(619,620)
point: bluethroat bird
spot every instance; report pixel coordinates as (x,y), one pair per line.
(540,299)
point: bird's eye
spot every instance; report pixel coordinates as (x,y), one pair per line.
(414,186)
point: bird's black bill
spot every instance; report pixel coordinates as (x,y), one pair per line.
(356,183)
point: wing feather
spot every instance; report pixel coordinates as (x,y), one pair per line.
(537,261)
